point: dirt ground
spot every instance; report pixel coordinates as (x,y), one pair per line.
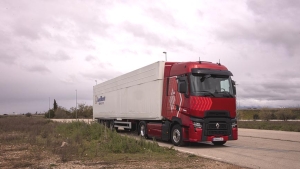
(26,156)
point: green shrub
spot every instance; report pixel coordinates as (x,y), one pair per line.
(255,116)
(266,114)
(28,115)
(51,113)
(285,115)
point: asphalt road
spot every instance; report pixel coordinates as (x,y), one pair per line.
(254,149)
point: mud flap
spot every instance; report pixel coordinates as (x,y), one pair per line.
(165,134)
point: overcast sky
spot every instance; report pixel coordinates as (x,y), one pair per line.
(53,48)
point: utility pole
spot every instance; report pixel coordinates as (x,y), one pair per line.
(76,104)
(165,55)
(49,109)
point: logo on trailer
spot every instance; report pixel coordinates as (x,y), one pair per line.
(99,100)
(217,125)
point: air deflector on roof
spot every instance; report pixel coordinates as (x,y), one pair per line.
(211,71)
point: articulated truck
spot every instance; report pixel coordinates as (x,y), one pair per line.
(172,101)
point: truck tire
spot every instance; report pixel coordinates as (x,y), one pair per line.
(218,143)
(177,135)
(143,129)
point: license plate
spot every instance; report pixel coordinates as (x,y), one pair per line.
(218,139)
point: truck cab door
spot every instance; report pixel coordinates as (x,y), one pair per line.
(171,97)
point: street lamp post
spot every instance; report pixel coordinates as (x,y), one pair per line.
(165,55)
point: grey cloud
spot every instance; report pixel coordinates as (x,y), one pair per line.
(26,30)
(101,71)
(101,75)
(129,51)
(38,19)
(5,37)
(275,23)
(62,56)
(277,89)
(59,55)
(105,65)
(90,58)
(7,58)
(200,13)
(163,16)
(154,39)
(70,79)
(38,69)
(287,7)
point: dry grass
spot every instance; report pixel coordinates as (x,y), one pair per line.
(269,114)
(29,142)
(271,125)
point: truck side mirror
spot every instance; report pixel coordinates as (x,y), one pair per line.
(182,87)
(233,87)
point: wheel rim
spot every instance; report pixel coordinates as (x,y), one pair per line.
(176,135)
(142,130)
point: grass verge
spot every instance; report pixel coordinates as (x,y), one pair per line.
(40,143)
(271,125)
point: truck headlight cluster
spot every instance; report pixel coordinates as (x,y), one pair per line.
(234,125)
(197,125)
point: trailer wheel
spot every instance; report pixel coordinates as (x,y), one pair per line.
(177,135)
(218,143)
(143,129)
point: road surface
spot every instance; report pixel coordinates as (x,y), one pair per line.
(254,149)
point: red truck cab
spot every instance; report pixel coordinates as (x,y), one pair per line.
(199,104)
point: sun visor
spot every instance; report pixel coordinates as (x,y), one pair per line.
(211,72)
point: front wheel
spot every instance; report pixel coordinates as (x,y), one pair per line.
(218,143)
(177,135)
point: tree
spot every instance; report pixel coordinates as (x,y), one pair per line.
(266,114)
(285,114)
(51,112)
(255,116)
(83,111)
(55,105)
(62,113)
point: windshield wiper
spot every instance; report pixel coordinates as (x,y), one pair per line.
(207,92)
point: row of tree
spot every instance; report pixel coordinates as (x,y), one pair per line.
(266,115)
(82,111)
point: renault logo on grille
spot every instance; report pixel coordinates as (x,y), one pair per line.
(217,125)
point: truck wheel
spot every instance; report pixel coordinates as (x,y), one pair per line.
(218,143)
(143,129)
(177,135)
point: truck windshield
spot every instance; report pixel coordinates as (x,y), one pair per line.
(211,86)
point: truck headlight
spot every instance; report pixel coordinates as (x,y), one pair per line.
(197,125)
